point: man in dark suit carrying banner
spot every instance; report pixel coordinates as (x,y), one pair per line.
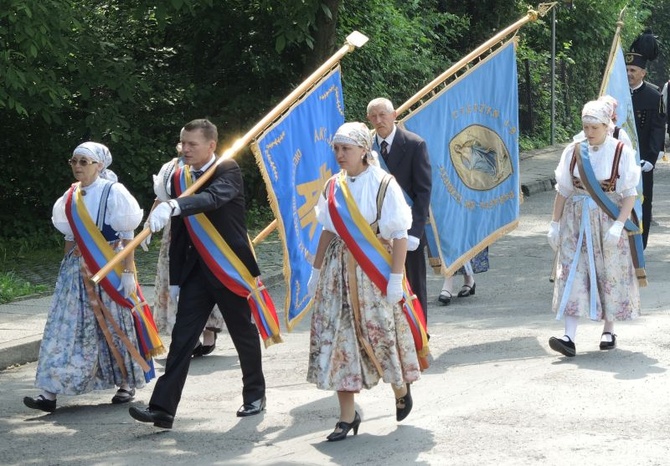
(211,262)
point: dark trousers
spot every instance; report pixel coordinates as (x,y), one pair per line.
(415,270)
(648,193)
(197,297)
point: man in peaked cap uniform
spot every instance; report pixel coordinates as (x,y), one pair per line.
(649,118)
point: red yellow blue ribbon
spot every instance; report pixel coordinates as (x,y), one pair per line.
(371,255)
(96,252)
(227,266)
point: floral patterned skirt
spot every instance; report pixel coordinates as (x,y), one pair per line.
(337,358)
(74,355)
(616,295)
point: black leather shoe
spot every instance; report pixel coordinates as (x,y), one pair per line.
(40,403)
(608,345)
(203,350)
(445,298)
(249,409)
(566,348)
(467,290)
(123,396)
(345,427)
(406,403)
(158,417)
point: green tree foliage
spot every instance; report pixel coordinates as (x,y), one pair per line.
(130,74)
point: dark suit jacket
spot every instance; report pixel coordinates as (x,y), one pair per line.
(221,199)
(649,122)
(408,162)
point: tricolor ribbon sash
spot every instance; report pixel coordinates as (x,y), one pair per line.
(227,266)
(372,256)
(96,252)
(593,187)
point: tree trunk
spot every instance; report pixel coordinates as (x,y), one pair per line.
(325,37)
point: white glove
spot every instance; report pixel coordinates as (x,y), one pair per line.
(174,293)
(159,217)
(553,235)
(146,241)
(646,166)
(313,282)
(412,243)
(614,234)
(128,285)
(394,288)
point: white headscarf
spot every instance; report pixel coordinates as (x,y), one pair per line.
(357,134)
(597,112)
(610,104)
(100,153)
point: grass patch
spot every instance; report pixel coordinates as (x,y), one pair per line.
(13,287)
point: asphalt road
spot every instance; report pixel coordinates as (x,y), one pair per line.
(495,393)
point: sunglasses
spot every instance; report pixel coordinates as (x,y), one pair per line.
(81,162)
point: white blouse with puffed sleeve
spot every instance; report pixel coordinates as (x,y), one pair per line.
(123,212)
(396,215)
(601,161)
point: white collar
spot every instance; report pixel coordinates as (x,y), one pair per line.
(204,168)
(388,139)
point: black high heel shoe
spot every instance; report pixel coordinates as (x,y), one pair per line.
(345,427)
(406,402)
(204,350)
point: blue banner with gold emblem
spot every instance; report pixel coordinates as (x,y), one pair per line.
(296,160)
(471,129)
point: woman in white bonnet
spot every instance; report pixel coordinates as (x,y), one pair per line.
(75,356)
(359,334)
(595,277)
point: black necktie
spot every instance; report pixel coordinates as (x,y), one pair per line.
(197,174)
(385,150)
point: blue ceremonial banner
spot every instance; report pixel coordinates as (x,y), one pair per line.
(296,159)
(471,129)
(616,85)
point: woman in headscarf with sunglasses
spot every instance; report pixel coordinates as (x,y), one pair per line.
(596,183)
(359,334)
(89,337)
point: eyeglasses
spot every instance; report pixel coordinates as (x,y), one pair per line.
(81,162)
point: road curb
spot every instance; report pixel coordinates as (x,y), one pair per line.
(19,352)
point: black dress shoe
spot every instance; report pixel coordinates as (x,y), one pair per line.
(249,409)
(345,427)
(40,403)
(608,345)
(158,417)
(203,350)
(406,403)
(566,348)
(467,290)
